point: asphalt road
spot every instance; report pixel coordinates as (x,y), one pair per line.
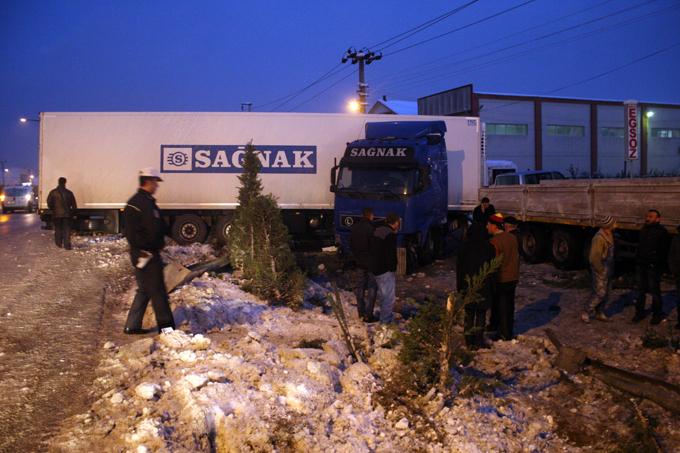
(12,225)
(51,308)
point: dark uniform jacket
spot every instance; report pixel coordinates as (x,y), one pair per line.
(61,202)
(383,255)
(360,242)
(483,217)
(473,254)
(145,229)
(653,245)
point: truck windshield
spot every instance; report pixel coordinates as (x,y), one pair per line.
(377,180)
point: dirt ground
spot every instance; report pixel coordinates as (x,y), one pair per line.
(590,414)
(58,309)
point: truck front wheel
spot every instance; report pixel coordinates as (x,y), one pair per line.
(566,248)
(188,229)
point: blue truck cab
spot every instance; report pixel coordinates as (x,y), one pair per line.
(399,167)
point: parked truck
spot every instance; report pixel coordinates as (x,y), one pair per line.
(559,217)
(426,172)
(199,156)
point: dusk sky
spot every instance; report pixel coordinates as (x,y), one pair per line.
(85,55)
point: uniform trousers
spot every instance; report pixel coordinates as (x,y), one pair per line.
(150,285)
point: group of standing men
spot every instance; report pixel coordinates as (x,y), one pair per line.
(491,235)
(374,247)
(654,251)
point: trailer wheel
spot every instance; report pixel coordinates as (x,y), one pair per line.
(188,229)
(221,229)
(567,248)
(533,244)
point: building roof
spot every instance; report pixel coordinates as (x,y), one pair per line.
(398,107)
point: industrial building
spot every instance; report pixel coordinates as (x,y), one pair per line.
(579,137)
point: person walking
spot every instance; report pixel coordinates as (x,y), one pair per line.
(360,244)
(383,265)
(483,211)
(674,266)
(601,258)
(475,252)
(503,303)
(145,231)
(62,203)
(649,262)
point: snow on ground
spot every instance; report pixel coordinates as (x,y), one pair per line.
(236,377)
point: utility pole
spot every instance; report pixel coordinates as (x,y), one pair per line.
(363,56)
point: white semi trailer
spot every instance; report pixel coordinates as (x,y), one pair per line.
(199,156)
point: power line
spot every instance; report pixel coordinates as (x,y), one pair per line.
(618,68)
(333,71)
(419,79)
(323,91)
(495,41)
(599,75)
(407,34)
(321,78)
(484,19)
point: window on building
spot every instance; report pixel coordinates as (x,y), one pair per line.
(611,132)
(506,129)
(663,132)
(560,130)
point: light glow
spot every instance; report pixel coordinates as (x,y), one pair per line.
(353,106)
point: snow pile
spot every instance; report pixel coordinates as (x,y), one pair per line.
(189,254)
(246,379)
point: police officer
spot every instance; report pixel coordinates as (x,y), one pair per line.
(145,231)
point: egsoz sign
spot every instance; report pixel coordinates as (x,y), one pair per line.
(229,158)
(630,112)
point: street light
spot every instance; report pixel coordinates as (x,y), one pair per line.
(353,106)
(24,120)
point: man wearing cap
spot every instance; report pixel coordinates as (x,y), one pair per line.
(601,260)
(503,303)
(650,259)
(145,231)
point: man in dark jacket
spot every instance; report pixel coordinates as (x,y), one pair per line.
(383,264)
(475,252)
(145,231)
(360,243)
(483,211)
(674,266)
(649,262)
(62,203)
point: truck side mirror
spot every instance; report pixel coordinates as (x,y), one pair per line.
(334,173)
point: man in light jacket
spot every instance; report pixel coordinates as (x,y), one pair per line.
(601,260)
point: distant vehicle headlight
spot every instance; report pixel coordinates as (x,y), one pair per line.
(2,197)
(27,197)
